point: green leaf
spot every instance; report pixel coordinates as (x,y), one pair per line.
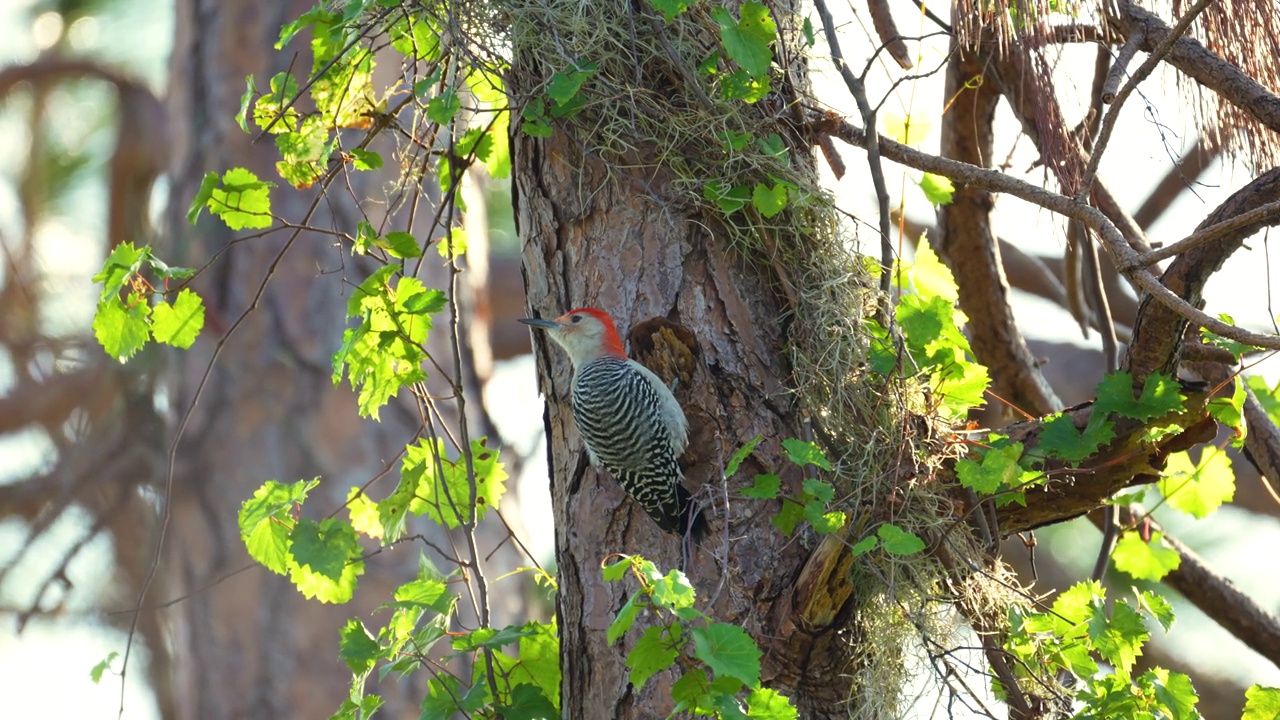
(1261,703)
(729,651)
(823,522)
(1175,691)
(1238,349)
(178,324)
(1145,560)
(765,488)
(246,99)
(735,460)
(454,244)
(168,272)
(769,201)
(401,245)
(95,674)
(1198,489)
(365,159)
(937,189)
(443,487)
(315,585)
(1157,606)
(691,691)
(748,40)
(809,37)
(930,276)
(241,200)
(819,489)
(269,111)
(539,656)
(805,453)
(736,142)
(446,698)
(742,85)
(121,328)
(670,9)
(728,199)
(565,84)
(788,517)
(528,702)
(673,591)
(1118,639)
(265,521)
(998,470)
(898,541)
(652,654)
(323,547)
(615,571)
(203,195)
(626,618)
(766,704)
(123,263)
(357,648)
(364,514)
(773,146)
(1061,439)
(1230,410)
(1268,397)
(444,107)
(1160,396)
(865,545)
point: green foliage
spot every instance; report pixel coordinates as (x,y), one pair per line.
(1078,632)
(238,198)
(748,41)
(385,352)
(719,663)
(935,347)
(1144,558)
(132,310)
(1199,488)
(671,9)
(96,673)
(1261,703)
(997,471)
(1061,439)
(937,189)
(1161,395)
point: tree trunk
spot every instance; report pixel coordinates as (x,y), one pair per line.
(626,241)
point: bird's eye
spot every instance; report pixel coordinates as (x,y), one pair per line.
(576,318)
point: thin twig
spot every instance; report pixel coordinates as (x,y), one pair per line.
(1148,65)
(859,91)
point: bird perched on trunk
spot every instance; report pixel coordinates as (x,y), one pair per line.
(631,423)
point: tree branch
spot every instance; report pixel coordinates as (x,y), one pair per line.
(1195,61)
(1114,242)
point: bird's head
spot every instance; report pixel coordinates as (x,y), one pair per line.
(584,333)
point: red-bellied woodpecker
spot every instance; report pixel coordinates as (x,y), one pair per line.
(632,425)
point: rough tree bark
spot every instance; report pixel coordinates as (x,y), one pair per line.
(624,240)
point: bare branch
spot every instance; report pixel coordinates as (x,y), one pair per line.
(1113,241)
(1109,121)
(1268,214)
(1206,68)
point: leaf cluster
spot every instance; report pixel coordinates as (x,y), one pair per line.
(719,663)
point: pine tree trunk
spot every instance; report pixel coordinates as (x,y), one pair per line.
(625,241)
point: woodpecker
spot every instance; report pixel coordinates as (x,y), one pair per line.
(632,425)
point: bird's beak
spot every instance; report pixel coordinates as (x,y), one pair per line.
(541,323)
